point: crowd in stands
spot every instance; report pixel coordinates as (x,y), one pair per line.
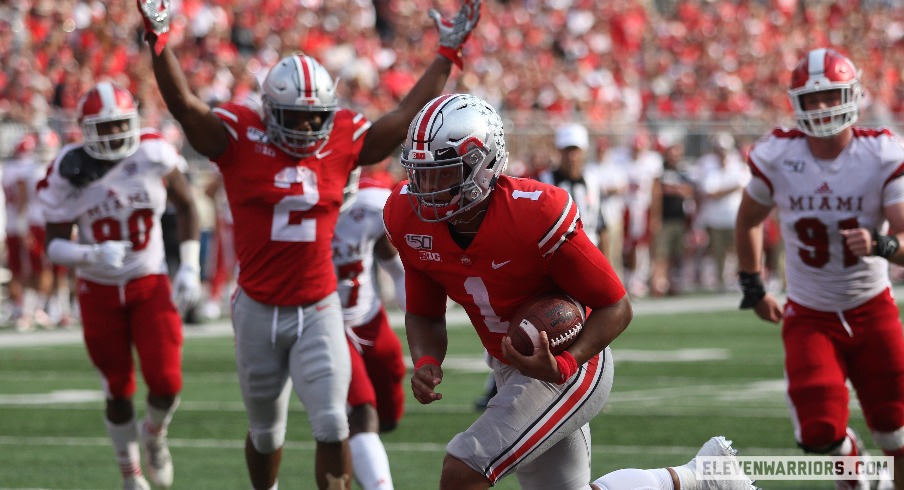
(603,62)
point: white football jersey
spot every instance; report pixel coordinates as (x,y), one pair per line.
(357,231)
(125,204)
(27,171)
(816,199)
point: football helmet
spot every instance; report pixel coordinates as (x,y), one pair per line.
(27,145)
(298,83)
(109,103)
(825,69)
(454,153)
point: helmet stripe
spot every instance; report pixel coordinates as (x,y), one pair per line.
(817,63)
(107,95)
(307,81)
(426,121)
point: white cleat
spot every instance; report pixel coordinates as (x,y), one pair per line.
(719,446)
(158,462)
(135,483)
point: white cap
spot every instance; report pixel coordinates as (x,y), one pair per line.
(572,135)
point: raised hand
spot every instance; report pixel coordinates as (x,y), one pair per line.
(455,31)
(156,16)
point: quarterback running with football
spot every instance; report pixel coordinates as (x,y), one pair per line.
(491,242)
(114,187)
(284,167)
(840,199)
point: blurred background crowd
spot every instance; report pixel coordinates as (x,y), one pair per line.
(666,89)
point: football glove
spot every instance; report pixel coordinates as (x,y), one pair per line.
(186,288)
(885,245)
(455,31)
(156,17)
(752,286)
(111,253)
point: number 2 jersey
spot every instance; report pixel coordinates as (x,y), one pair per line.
(284,209)
(530,242)
(126,203)
(816,199)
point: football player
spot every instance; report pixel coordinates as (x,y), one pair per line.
(284,167)
(490,242)
(376,398)
(32,276)
(114,187)
(840,199)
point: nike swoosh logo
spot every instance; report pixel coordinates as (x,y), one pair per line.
(322,155)
(496,266)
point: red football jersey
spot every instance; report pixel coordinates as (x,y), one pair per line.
(530,242)
(285,208)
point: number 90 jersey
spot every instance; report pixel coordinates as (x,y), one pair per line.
(816,199)
(284,208)
(530,242)
(126,203)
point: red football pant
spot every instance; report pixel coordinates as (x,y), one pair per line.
(142,314)
(377,371)
(820,355)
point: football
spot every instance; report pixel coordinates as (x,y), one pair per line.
(559,315)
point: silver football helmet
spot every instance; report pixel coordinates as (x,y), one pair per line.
(454,153)
(825,69)
(104,105)
(298,83)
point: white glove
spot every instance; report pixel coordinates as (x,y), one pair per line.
(455,31)
(111,253)
(155,14)
(187,288)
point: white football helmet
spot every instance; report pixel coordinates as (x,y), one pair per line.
(825,69)
(454,153)
(109,103)
(298,83)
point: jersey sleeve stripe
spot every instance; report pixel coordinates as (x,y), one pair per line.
(760,175)
(358,132)
(228,115)
(558,232)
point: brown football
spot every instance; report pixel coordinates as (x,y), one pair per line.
(558,314)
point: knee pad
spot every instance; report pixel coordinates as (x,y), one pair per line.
(329,426)
(269,439)
(820,437)
(891,443)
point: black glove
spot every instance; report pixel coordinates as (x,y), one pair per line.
(752,287)
(885,245)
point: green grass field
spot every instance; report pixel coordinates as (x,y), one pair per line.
(680,378)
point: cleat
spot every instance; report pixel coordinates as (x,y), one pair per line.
(23,324)
(861,483)
(719,446)
(159,463)
(135,483)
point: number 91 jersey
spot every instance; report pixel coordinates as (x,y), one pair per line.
(126,203)
(815,200)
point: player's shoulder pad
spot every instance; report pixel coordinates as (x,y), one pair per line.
(80,169)
(771,146)
(356,123)
(549,213)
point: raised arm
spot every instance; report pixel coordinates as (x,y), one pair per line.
(388,131)
(202,128)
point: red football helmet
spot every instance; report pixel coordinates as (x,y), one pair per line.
(825,69)
(103,104)
(298,83)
